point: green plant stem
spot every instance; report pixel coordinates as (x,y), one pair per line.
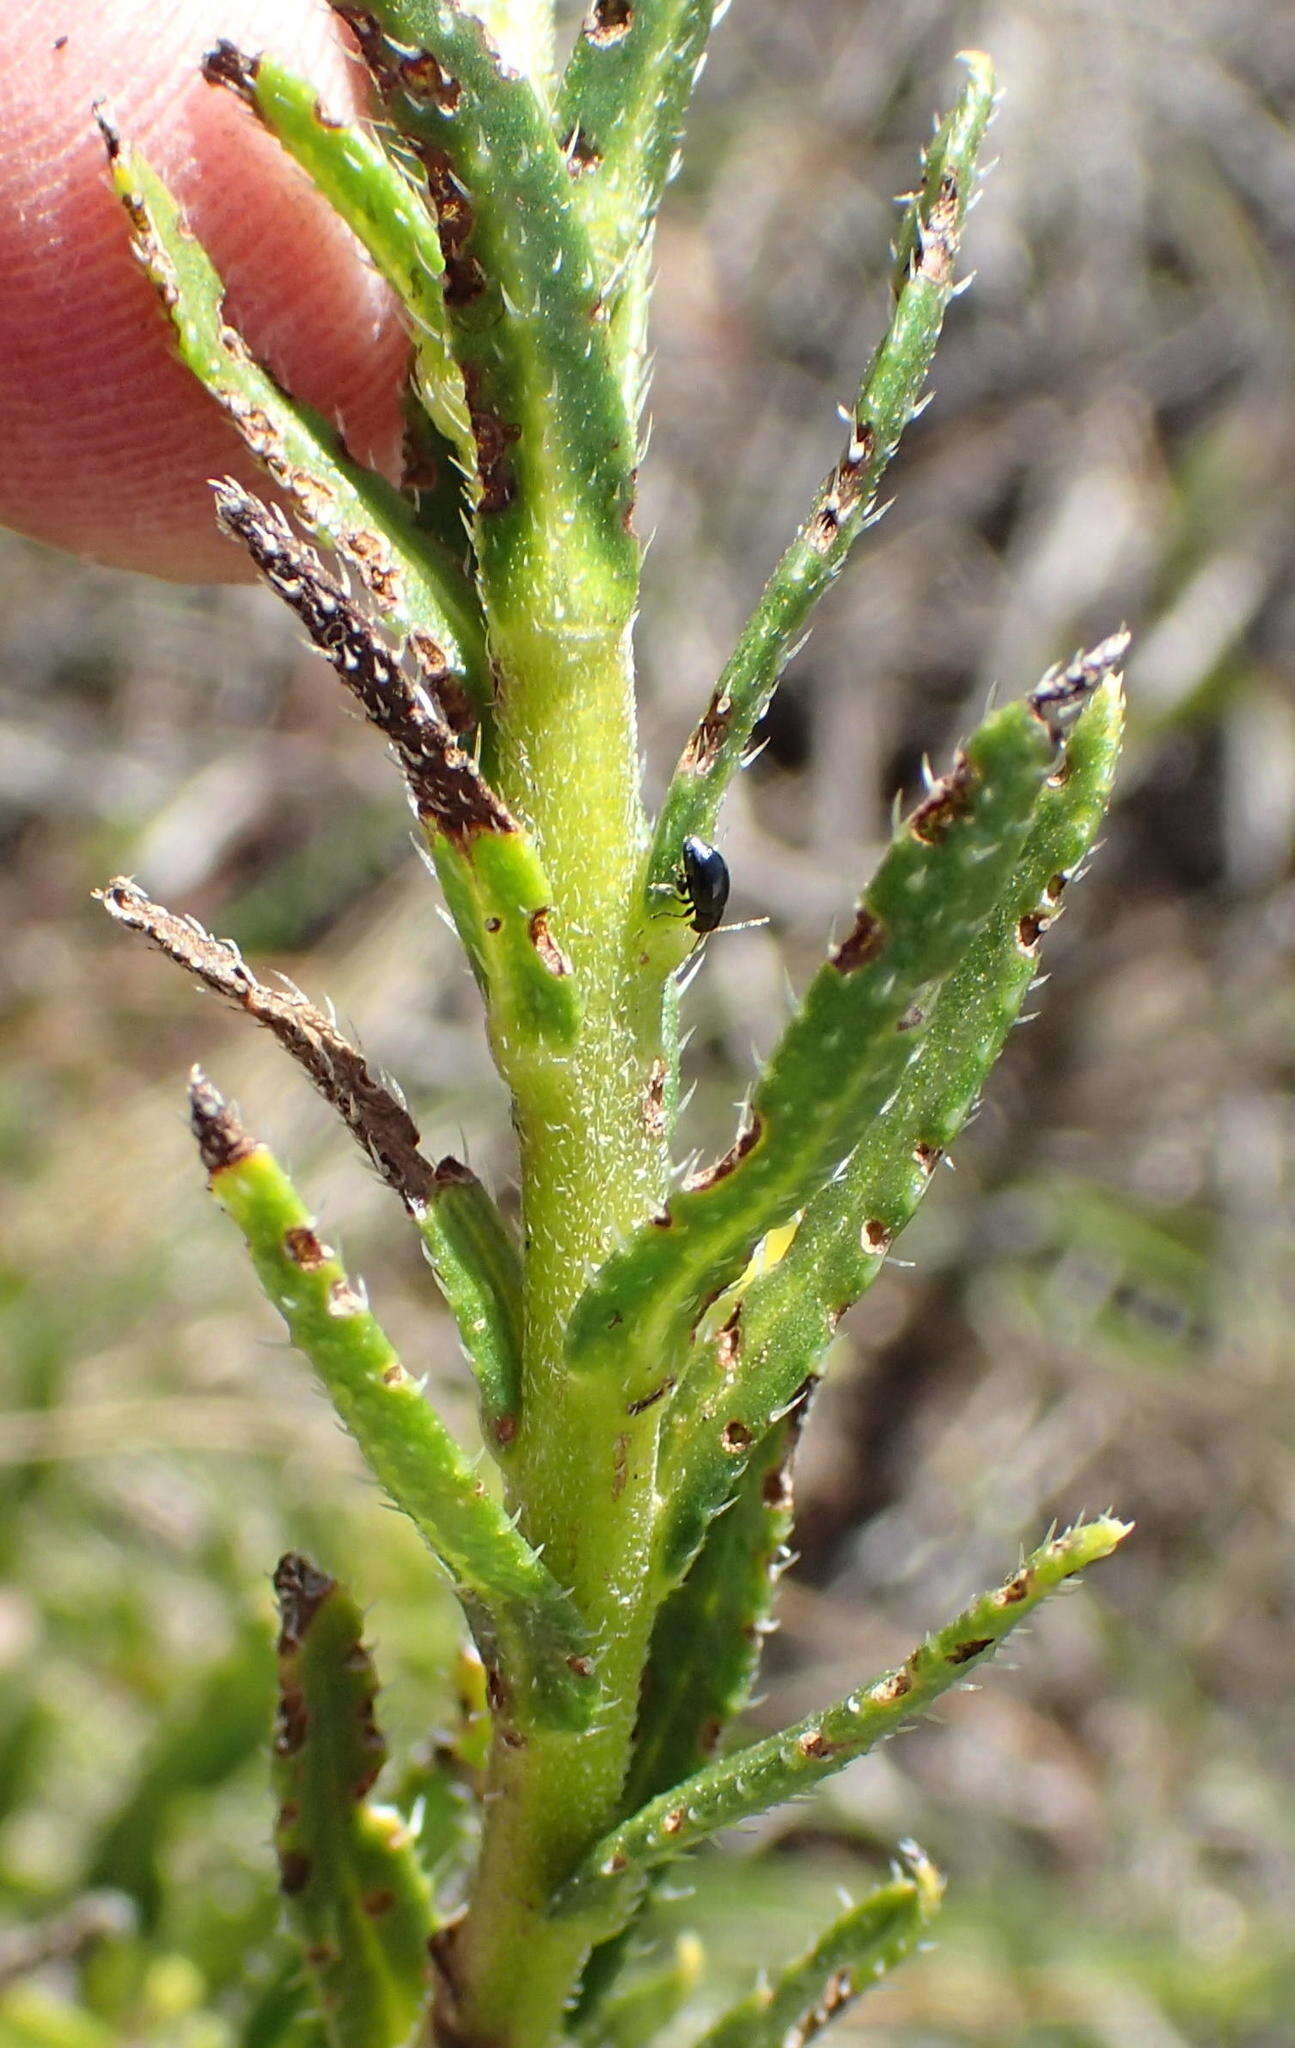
(558,571)
(582,1468)
(514,219)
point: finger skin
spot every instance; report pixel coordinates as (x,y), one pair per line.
(106,442)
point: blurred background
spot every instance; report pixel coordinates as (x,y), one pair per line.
(1099,1304)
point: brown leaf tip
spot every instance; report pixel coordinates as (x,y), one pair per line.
(106,122)
(227,65)
(443,780)
(301,1590)
(1064,691)
(610,21)
(450,1172)
(222,1141)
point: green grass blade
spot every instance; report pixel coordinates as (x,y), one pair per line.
(839,1060)
(529,1633)
(891,389)
(862,1946)
(424,597)
(783,1766)
(776,1338)
(356,1897)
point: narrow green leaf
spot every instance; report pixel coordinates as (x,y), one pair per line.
(774,1342)
(283,2013)
(356,1897)
(620,116)
(479,1271)
(701,1666)
(554,447)
(840,1059)
(604,1887)
(858,1949)
(927,251)
(528,1630)
(495,887)
(442,1787)
(424,597)
(381,205)
(706,1642)
(469,1247)
(500,900)
(638,2015)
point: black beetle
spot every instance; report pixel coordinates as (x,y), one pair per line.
(705,883)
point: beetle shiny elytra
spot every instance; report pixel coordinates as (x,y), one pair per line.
(705,883)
